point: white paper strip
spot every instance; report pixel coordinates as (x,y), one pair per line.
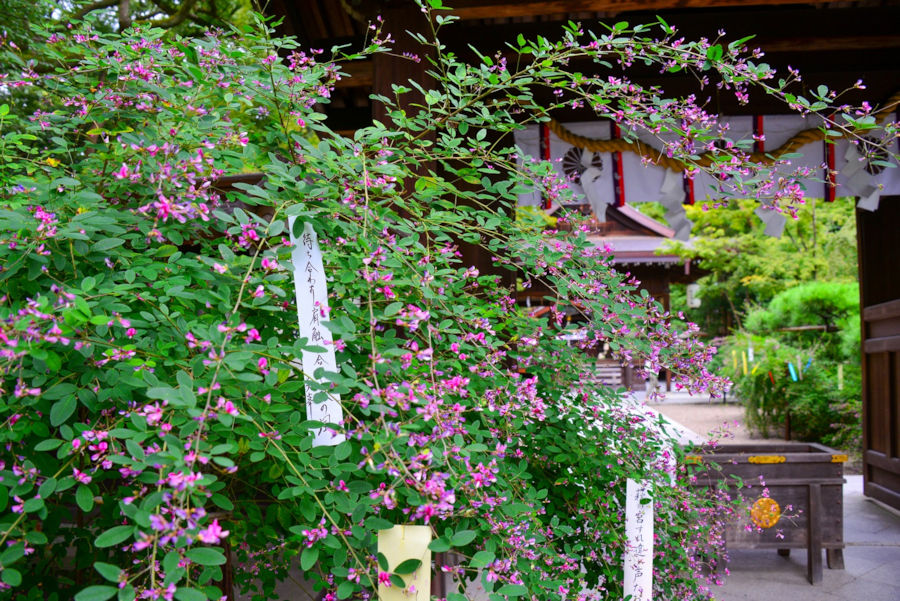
(398,544)
(869,199)
(595,198)
(638,541)
(312,311)
(671,193)
(774,221)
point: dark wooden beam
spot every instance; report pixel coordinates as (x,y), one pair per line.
(500,9)
(358,74)
(819,44)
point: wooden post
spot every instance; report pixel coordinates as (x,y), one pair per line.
(399,544)
(814,534)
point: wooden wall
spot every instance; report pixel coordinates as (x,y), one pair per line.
(878,235)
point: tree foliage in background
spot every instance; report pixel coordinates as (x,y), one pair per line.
(181,16)
(746,268)
(814,327)
(822,316)
(152,412)
(808,399)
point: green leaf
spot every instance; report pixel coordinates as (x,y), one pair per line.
(345,589)
(408,567)
(48,445)
(481,559)
(4,110)
(190,594)
(107,244)
(392,309)
(308,558)
(378,524)
(439,545)
(342,451)
(206,556)
(383,562)
(32,505)
(88,283)
(462,538)
(114,536)
(62,410)
(714,52)
(397,581)
(108,571)
(520,40)
(12,554)
(96,593)
(134,449)
(127,593)
(47,487)
(170,561)
(513,590)
(84,497)
(11,576)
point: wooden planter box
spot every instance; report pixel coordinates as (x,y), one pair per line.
(808,478)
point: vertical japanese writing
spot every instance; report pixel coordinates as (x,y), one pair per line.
(638,541)
(312,311)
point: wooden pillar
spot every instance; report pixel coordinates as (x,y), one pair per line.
(879,254)
(397,69)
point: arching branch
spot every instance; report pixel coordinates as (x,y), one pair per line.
(184,11)
(89,8)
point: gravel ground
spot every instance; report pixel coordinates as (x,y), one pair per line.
(725,421)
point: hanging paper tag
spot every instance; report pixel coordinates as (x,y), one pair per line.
(594,196)
(312,312)
(869,198)
(672,190)
(840,376)
(638,541)
(399,544)
(793,371)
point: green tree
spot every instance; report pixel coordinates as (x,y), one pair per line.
(746,268)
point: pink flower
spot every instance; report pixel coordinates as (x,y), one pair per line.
(263,365)
(226,406)
(259,292)
(219,268)
(81,476)
(212,534)
(384,578)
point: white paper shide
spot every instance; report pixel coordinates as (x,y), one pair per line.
(312,311)
(639,541)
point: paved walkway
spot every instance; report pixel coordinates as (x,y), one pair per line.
(871,531)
